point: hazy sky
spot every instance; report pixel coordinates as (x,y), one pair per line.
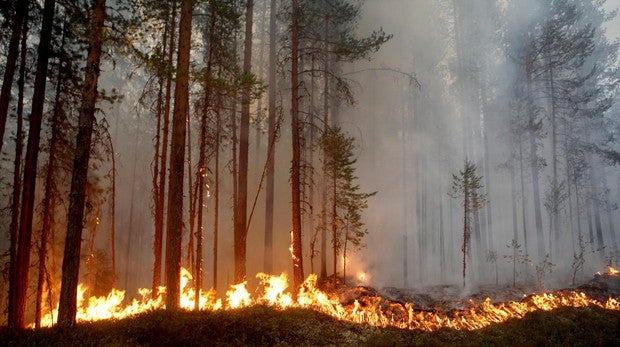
(613,28)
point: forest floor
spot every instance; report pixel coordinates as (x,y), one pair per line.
(260,325)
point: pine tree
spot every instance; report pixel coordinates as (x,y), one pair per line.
(347,202)
(467,185)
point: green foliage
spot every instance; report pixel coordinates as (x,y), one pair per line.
(578,257)
(545,266)
(467,185)
(349,201)
(517,256)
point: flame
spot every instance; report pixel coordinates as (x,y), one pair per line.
(613,271)
(369,310)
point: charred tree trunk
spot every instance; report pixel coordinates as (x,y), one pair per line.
(240,230)
(18,288)
(269,193)
(71,260)
(174,225)
(21,13)
(298,269)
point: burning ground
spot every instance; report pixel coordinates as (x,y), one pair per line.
(331,313)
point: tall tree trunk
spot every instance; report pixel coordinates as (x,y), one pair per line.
(18,289)
(334,221)
(75,217)
(113,215)
(241,231)
(21,12)
(50,196)
(192,195)
(174,225)
(554,231)
(19,144)
(130,227)
(513,198)
(403,142)
(324,184)
(269,193)
(298,268)
(202,165)
(466,232)
(523,200)
(159,209)
(216,195)
(529,65)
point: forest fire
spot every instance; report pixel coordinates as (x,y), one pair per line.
(372,310)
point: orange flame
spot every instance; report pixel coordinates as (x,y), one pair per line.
(371,310)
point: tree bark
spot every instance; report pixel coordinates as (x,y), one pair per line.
(49,198)
(324,184)
(240,230)
(75,217)
(18,289)
(174,227)
(298,269)
(159,209)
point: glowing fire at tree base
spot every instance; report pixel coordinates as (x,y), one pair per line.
(371,311)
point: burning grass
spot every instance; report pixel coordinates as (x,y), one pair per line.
(245,318)
(265,325)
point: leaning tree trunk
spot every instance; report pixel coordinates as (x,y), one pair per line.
(21,13)
(269,189)
(19,286)
(174,225)
(298,269)
(75,217)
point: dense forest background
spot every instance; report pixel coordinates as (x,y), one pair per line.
(409,138)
